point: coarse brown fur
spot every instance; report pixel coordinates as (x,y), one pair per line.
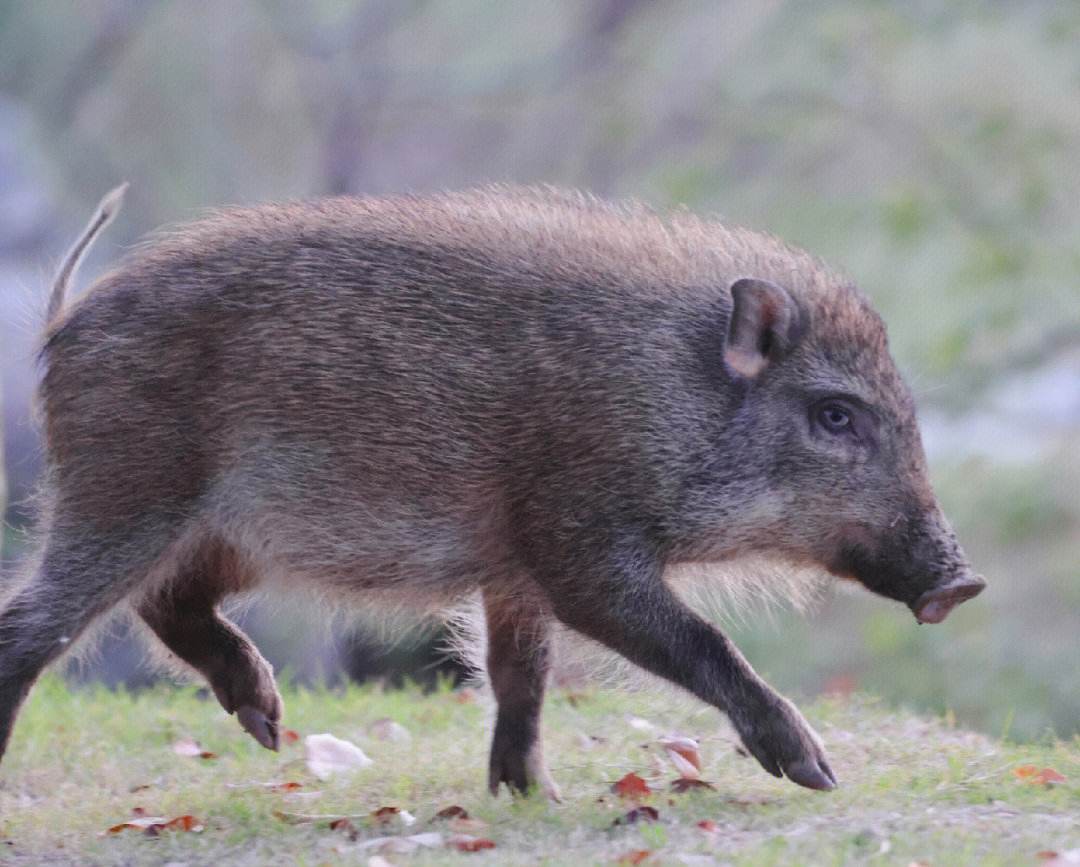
(529,393)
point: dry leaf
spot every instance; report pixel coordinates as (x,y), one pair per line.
(708,826)
(465,843)
(344,826)
(289,736)
(154,825)
(631,786)
(189,748)
(386,815)
(683,784)
(386,729)
(451,812)
(634,857)
(283,787)
(1051,858)
(684,754)
(638,814)
(327,755)
(1038,776)
(467,695)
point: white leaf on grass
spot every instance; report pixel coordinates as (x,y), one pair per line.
(684,755)
(386,729)
(189,748)
(403,845)
(327,755)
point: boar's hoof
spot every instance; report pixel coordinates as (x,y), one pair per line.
(786,746)
(259,726)
(523,773)
(813,775)
(934,605)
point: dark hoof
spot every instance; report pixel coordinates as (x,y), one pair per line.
(785,745)
(812,775)
(259,726)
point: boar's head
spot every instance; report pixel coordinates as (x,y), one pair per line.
(837,442)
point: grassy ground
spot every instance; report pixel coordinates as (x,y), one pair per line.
(912,790)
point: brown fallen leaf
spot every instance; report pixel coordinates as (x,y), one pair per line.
(1038,776)
(451,812)
(142,787)
(708,826)
(466,695)
(458,819)
(638,814)
(631,786)
(466,843)
(344,826)
(189,748)
(635,856)
(684,784)
(290,736)
(289,786)
(154,825)
(1052,858)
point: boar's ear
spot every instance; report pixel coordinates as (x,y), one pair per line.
(765,323)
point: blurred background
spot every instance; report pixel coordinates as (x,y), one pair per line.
(929,149)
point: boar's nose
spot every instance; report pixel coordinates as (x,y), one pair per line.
(934,605)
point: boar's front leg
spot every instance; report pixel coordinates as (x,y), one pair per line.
(629,608)
(518,635)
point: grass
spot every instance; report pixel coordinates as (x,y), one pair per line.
(912,789)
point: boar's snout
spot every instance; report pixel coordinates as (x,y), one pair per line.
(935,604)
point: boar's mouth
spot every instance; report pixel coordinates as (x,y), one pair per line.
(934,605)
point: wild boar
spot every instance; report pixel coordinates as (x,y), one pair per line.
(529,393)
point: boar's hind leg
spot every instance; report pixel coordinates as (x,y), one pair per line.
(79,578)
(183,614)
(635,613)
(519,632)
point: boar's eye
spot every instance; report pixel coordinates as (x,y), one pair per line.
(835,418)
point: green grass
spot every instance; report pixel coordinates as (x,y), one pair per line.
(911,789)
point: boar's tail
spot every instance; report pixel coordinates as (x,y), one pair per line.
(106,211)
